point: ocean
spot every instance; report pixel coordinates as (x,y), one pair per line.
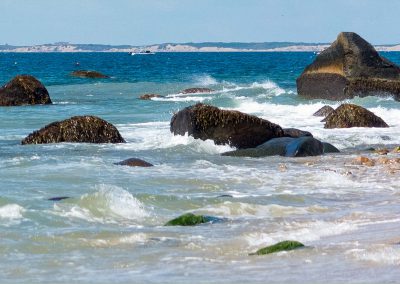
(111,228)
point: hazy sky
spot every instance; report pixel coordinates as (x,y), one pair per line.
(138,22)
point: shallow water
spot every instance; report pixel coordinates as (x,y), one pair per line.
(111,229)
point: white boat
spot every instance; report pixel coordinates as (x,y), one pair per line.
(145,52)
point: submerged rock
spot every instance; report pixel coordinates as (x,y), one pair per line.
(237,129)
(149,96)
(324,111)
(284,146)
(134,162)
(190,219)
(281,246)
(84,129)
(58,198)
(349,67)
(349,115)
(88,74)
(295,133)
(24,90)
(197,90)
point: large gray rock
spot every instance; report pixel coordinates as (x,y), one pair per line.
(24,90)
(349,67)
(224,126)
(79,129)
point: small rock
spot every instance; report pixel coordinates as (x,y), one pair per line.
(58,198)
(197,90)
(324,111)
(364,161)
(149,96)
(281,246)
(88,74)
(133,162)
(190,219)
(383,151)
(295,133)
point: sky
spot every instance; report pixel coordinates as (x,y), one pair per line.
(142,22)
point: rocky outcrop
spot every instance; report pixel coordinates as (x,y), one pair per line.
(284,146)
(281,246)
(237,129)
(197,90)
(295,133)
(149,96)
(324,111)
(80,129)
(88,74)
(349,67)
(134,162)
(349,115)
(24,90)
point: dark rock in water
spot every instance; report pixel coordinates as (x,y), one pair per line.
(324,111)
(349,115)
(133,162)
(84,129)
(24,90)
(190,219)
(295,133)
(281,246)
(149,96)
(284,146)
(197,90)
(349,67)
(224,126)
(329,148)
(88,74)
(225,196)
(58,198)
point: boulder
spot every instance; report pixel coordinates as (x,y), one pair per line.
(329,148)
(349,67)
(295,133)
(281,246)
(324,111)
(284,146)
(24,90)
(237,129)
(149,96)
(197,90)
(82,129)
(190,219)
(88,74)
(134,162)
(349,115)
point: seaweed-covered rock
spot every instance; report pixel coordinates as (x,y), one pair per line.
(197,90)
(349,67)
(284,146)
(281,246)
(190,219)
(295,133)
(324,111)
(84,129)
(224,126)
(24,90)
(149,96)
(134,162)
(349,115)
(88,74)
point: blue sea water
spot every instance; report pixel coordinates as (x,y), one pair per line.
(111,227)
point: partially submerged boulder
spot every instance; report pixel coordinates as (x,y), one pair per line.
(197,90)
(24,90)
(88,74)
(237,129)
(324,111)
(349,115)
(349,67)
(284,146)
(281,246)
(295,133)
(134,162)
(149,96)
(82,129)
(190,219)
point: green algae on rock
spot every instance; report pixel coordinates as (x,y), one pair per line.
(189,219)
(281,246)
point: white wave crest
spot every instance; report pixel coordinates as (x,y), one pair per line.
(205,80)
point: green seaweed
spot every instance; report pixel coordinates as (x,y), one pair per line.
(188,219)
(281,246)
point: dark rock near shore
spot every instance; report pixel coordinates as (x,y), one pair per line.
(58,198)
(329,148)
(149,96)
(197,90)
(24,90)
(349,67)
(284,146)
(324,111)
(134,162)
(224,126)
(82,129)
(295,133)
(349,115)
(190,219)
(88,74)
(281,246)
